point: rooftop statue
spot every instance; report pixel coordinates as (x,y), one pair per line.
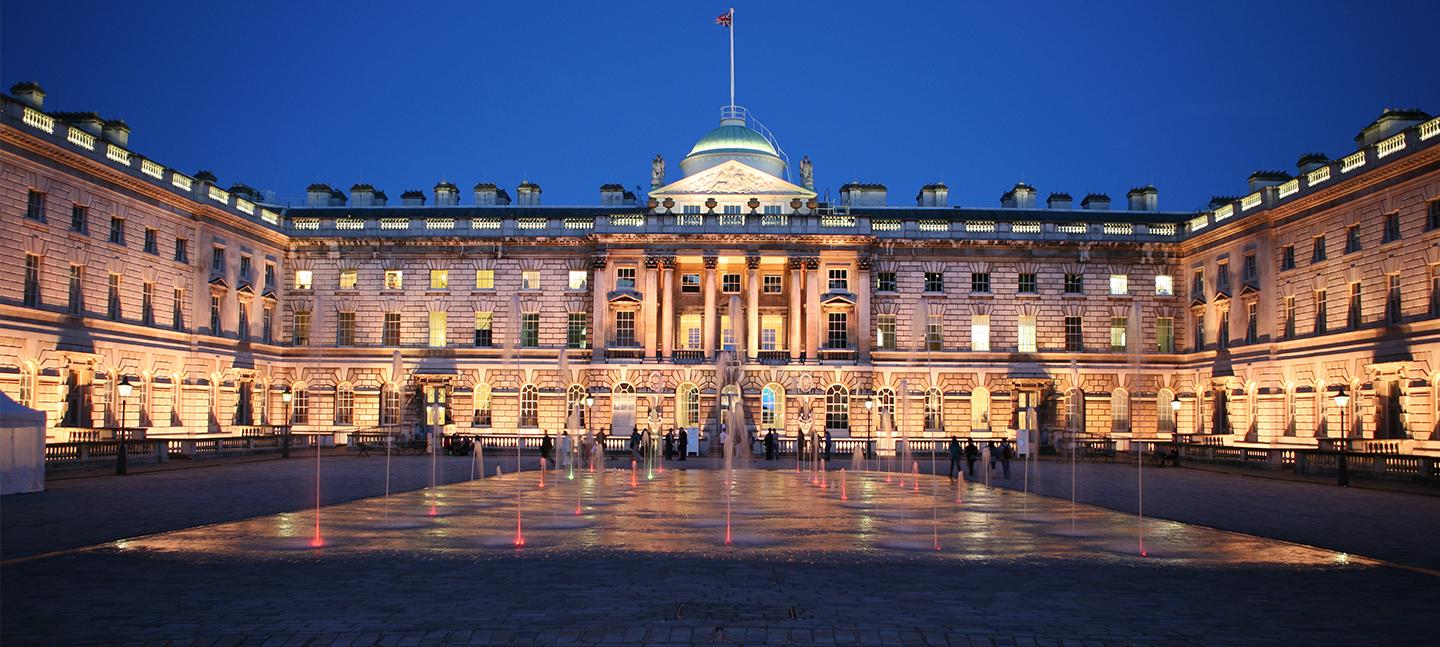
(657,171)
(807,173)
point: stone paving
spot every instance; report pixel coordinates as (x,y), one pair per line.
(110,596)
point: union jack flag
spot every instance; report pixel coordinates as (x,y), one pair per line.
(726,18)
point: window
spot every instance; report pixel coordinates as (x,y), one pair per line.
(439,279)
(1222,332)
(529,406)
(934,282)
(687,409)
(217,260)
(1028,283)
(1352,239)
(934,332)
(885,331)
(347,279)
(77,294)
(28,381)
(1289,317)
(1392,298)
(1435,290)
(979,281)
(35,206)
(344,405)
(389,405)
(79,219)
(839,336)
(771,401)
(934,410)
(980,409)
(246,267)
(625,278)
(1119,284)
(885,282)
(530,330)
(730,283)
(243,327)
(772,329)
(1318,254)
(1222,277)
(980,332)
(437,329)
(1353,316)
(269,275)
(530,280)
(575,407)
(773,284)
(1432,215)
(112,301)
(1391,232)
(1197,285)
(394,280)
(484,279)
(690,283)
(1165,335)
(300,407)
(579,280)
(300,333)
(837,408)
(177,310)
(304,279)
(1250,272)
(390,330)
(215,327)
(1120,411)
(1119,326)
(625,328)
(151,245)
(1252,329)
(182,250)
(147,303)
(345,329)
(482,400)
(1164,285)
(1074,284)
(267,325)
(1074,334)
(1027,333)
(1321,323)
(577,330)
(690,332)
(117,231)
(32,280)
(484,329)
(1287,258)
(1164,412)
(839,279)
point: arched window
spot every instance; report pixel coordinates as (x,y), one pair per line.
(390,405)
(980,409)
(885,409)
(1075,411)
(934,410)
(300,405)
(1119,411)
(28,380)
(1289,410)
(529,406)
(146,397)
(344,405)
(481,398)
(575,407)
(772,407)
(837,408)
(1165,412)
(687,405)
(244,402)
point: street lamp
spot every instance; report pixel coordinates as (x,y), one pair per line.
(1342,469)
(869,426)
(285,396)
(589,413)
(1175,428)
(122,455)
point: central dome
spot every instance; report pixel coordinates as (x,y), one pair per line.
(733,140)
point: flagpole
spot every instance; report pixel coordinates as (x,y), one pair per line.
(732,57)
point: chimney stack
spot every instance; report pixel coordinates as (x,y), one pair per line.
(1022,196)
(446,194)
(379,199)
(317,195)
(1095,202)
(1389,122)
(89,122)
(863,194)
(363,195)
(1261,179)
(412,198)
(1217,201)
(933,195)
(1311,161)
(1060,201)
(612,195)
(117,132)
(245,191)
(29,93)
(527,194)
(1144,198)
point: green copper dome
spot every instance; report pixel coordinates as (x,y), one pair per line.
(733,139)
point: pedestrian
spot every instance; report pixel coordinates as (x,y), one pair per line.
(567,459)
(725,442)
(991,455)
(684,443)
(954,457)
(1006,453)
(647,445)
(799,443)
(972,453)
(829,445)
(669,443)
(547,449)
(635,443)
(600,447)
(770,445)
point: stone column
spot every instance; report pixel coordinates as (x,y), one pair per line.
(708,326)
(600,310)
(793,321)
(862,308)
(667,307)
(813,318)
(752,307)
(648,304)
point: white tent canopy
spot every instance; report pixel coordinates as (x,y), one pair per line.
(22,447)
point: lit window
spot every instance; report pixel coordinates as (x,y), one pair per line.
(885,331)
(347,279)
(935,332)
(484,279)
(980,332)
(579,279)
(439,279)
(689,332)
(437,329)
(1118,326)
(303,279)
(1027,333)
(394,279)
(1164,285)
(1119,284)
(484,329)
(530,280)
(1165,334)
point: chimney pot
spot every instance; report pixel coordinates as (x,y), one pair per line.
(29,93)
(1143,198)
(863,194)
(1095,202)
(117,132)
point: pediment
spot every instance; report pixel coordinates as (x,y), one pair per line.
(732,178)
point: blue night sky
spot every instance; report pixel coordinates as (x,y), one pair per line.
(1067,96)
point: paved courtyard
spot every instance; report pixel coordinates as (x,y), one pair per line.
(1004,577)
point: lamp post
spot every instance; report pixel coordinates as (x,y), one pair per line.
(1175,428)
(122,453)
(285,397)
(869,426)
(1342,468)
(589,413)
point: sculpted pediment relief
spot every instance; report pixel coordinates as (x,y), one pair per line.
(732,178)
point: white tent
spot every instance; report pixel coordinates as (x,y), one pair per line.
(22,447)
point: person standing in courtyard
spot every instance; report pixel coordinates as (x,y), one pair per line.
(799,443)
(990,455)
(1006,453)
(547,449)
(770,445)
(669,444)
(635,443)
(972,453)
(566,447)
(829,445)
(600,442)
(954,457)
(684,443)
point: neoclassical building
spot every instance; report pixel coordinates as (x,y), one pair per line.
(870,319)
